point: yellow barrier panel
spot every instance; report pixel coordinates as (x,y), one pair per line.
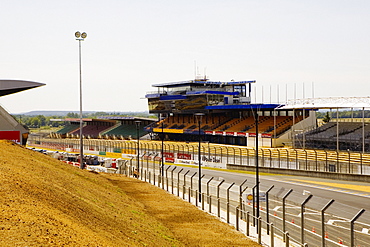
(168,130)
(128,151)
(114,155)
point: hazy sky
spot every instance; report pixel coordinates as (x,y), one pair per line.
(134,44)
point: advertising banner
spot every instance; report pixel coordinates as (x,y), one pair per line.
(168,155)
(170,160)
(14,136)
(184,156)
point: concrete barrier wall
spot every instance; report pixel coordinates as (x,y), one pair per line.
(327,175)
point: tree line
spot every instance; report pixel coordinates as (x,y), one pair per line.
(343,114)
(39,121)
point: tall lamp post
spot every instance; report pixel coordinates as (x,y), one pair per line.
(257,170)
(199,118)
(162,164)
(81,37)
(138,144)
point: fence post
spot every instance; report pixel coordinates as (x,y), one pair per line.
(202,201)
(237,218)
(191,182)
(254,204)
(189,194)
(172,179)
(259,230)
(218,208)
(267,208)
(228,192)
(323,222)
(196,198)
(272,237)
(162,178)
(241,195)
(167,176)
(353,227)
(302,216)
(185,177)
(178,181)
(218,188)
(286,237)
(208,186)
(227,212)
(247,224)
(210,204)
(284,198)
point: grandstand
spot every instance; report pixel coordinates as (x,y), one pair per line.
(123,128)
(62,133)
(10,129)
(338,134)
(126,128)
(229,116)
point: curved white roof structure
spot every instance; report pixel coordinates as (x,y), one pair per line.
(10,129)
(15,86)
(328,103)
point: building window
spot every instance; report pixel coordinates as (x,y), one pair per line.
(241,90)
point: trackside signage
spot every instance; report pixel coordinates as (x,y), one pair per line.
(14,136)
(241,134)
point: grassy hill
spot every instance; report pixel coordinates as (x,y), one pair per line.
(45,202)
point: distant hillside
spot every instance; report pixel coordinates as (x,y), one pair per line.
(64,113)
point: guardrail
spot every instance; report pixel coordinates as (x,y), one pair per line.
(294,159)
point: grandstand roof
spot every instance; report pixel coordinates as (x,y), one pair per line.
(244,107)
(87,120)
(126,118)
(328,103)
(15,86)
(194,82)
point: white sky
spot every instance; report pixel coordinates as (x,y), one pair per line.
(134,44)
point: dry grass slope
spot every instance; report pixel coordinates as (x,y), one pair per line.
(44,202)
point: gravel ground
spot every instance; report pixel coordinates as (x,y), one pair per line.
(45,202)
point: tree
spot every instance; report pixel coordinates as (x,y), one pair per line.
(326,118)
(35,122)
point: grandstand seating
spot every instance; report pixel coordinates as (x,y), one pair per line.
(125,130)
(91,130)
(346,131)
(284,123)
(325,137)
(68,128)
(266,124)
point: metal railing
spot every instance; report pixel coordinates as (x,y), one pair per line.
(284,215)
(287,218)
(281,158)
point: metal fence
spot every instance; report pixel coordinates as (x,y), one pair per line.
(280,216)
(297,159)
(284,217)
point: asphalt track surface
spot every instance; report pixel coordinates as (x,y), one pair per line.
(315,186)
(350,198)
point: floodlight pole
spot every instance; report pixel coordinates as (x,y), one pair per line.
(257,169)
(80,38)
(199,117)
(138,145)
(162,164)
